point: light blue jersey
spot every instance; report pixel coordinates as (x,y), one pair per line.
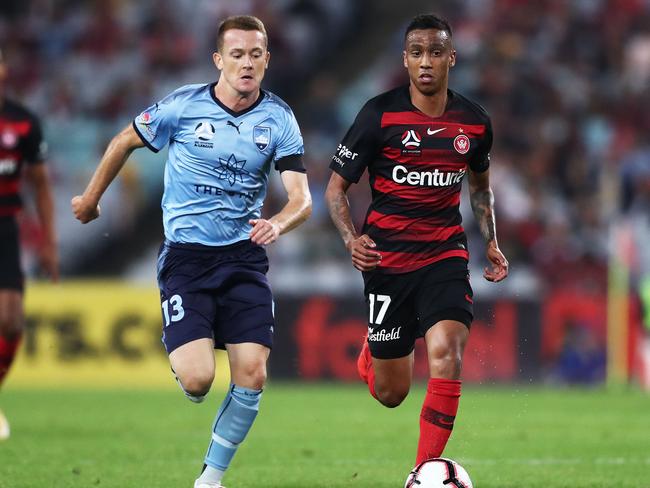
(219,161)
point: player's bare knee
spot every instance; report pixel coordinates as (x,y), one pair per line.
(255,379)
(251,375)
(391,397)
(197,384)
(448,366)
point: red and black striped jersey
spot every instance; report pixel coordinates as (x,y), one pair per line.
(416,165)
(21,142)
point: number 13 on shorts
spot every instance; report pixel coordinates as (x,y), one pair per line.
(383,301)
(172,309)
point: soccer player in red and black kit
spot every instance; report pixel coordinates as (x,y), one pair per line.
(21,152)
(418,142)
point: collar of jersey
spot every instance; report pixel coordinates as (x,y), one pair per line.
(232,112)
(450,99)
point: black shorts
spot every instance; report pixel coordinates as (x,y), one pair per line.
(403,307)
(11,275)
(215,292)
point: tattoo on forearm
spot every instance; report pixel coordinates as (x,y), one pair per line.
(339,208)
(483,208)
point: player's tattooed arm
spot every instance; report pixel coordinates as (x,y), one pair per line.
(482,200)
(339,207)
(361,248)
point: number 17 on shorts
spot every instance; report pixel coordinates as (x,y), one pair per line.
(383,302)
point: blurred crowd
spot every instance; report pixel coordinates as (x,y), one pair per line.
(566,84)
(105,60)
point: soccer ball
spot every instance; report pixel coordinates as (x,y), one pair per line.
(438,473)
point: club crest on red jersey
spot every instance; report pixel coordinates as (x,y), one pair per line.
(461,143)
(9,139)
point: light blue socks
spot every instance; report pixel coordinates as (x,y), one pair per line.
(234,419)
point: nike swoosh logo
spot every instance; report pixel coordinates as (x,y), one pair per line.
(431,132)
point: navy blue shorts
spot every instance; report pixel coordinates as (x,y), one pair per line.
(215,292)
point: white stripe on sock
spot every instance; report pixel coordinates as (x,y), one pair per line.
(223,442)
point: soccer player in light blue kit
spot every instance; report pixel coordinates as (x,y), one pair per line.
(224,138)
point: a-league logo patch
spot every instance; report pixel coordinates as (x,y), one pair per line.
(204,131)
(261,137)
(411,139)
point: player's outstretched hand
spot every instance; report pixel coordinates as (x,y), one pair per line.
(83,210)
(364,258)
(264,231)
(498,262)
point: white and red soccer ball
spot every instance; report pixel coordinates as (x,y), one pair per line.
(438,473)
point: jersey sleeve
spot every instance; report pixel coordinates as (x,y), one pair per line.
(480,161)
(34,148)
(360,145)
(156,125)
(290,147)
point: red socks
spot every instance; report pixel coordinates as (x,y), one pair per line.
(438,411)
(8,348)
(437,417)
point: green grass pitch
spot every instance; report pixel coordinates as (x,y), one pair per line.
(325,435)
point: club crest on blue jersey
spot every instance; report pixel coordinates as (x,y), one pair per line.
(261,137)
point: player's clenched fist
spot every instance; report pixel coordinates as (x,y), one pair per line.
(498,269)
(363,256)
(83,210)
(264,231)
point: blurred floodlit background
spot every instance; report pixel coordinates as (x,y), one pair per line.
(567,84)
